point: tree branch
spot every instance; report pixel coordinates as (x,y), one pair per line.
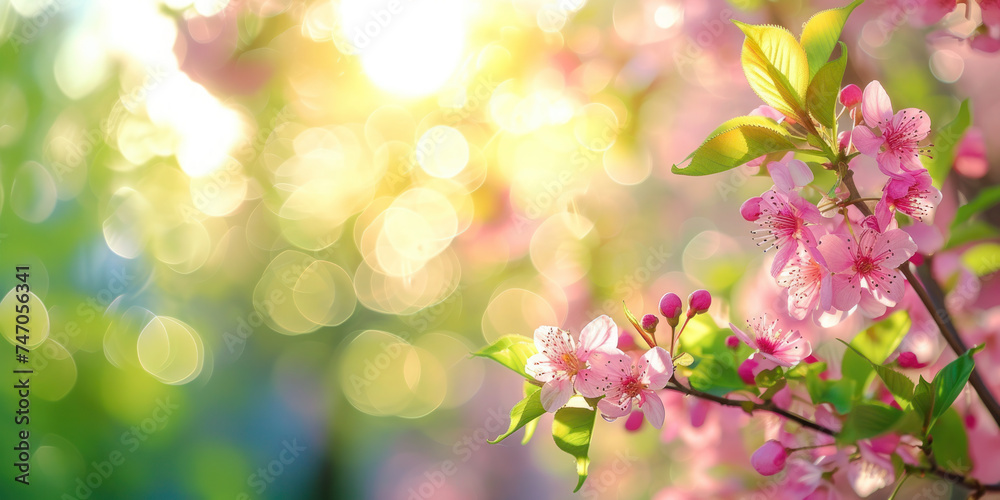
(769,406)
(934,304)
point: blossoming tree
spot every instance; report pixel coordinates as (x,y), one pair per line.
(859,416)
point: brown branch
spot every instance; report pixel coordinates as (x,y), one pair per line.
(933,303)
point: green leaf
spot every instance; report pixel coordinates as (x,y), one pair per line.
(945,140)
(923,398)
(872,347)
(572,429)
(820,34)
(950,443)
(949,382)
(527,410)
(771,391)
(986,199)
(824,89)
(776,67)
(734,143)
(713,375)
(767,378)
(967,233)
(511,351)
(684,359)
(867,420)
(802,370)
(983,259)
(898,384)
(839,393)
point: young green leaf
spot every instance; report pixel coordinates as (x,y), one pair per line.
(734,143)
(950,381)
(525,411)
(950,443)
(820,34)
(767,378)
(714,376)
(824,89)
(898,384)
(511,351)
(944,141)
(776,67)
(839,393)
(867,420)
(982,259)
(923,398)
(872,347)
(572,429)
(986,199)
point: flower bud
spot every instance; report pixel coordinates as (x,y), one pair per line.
(745,371)
(909,360)
(698,302)
(750,210)
(649,323)
(670,307)
(732,342)
(850,96)
(769,459)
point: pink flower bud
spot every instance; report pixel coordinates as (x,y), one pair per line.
(732,342)
(769,459)
(649,323)
(634,422)
(909,360)
(850,96)
(698,302)
(970,421)
(745,371)
(750,210)
(670,307)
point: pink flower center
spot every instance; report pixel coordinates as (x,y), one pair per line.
(768,344)
(571,363)
(632,387)
(864,265)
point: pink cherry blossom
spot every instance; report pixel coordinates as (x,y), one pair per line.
(562,364)
(623,383)
(866,267)
(896,147)
(809,284)
(912,194)
(789,174)
(772,345)
(783,219)
(871,472)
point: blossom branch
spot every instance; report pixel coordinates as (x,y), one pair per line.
(933,303)
(933,468)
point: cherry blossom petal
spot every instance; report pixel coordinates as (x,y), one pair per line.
(652,407)
(866,141)
(542,368)
(890,288)
(655,368)
(556,393)
(876,107)
(894,247)
(846,291)
(590,384)
(614,408)
(554,342)
(743,336)
(599,334)
(836,252)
